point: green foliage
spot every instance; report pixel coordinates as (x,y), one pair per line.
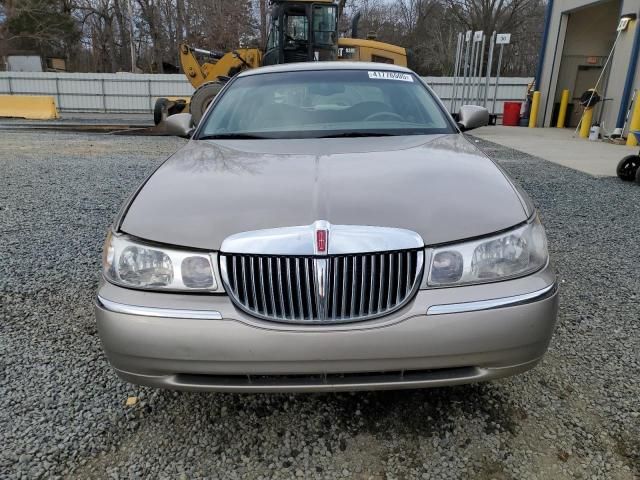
(41,24)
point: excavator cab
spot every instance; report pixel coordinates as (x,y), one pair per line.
(302,31)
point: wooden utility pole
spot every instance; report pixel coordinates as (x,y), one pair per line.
(180,21)
(263,23)
(341,5)
(131,44)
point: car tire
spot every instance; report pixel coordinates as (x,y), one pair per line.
(202,98)
(638,176)
(628,167)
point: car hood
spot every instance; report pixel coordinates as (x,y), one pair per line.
(440,186)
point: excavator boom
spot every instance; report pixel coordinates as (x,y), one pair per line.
(220,65)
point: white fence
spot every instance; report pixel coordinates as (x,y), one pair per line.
(137,93)
(509,89)
(94,92)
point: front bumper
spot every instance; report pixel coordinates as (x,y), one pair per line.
(463,339)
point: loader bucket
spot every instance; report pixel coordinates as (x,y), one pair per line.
(166,106)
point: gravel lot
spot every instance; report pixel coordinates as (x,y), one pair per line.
(63,412)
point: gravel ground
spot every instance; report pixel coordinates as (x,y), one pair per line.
(63,412)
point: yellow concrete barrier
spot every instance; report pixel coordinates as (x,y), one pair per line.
(564,104)
(28,106)
(535,105)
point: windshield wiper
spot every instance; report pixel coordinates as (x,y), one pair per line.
(233,136)
(250,136)
(357,134)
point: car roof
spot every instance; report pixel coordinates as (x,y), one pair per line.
(314,66)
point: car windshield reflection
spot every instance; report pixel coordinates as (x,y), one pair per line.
(325,104)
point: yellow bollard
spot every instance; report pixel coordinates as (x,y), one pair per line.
(535,105)
(585,123)
(632,141)
(564,104)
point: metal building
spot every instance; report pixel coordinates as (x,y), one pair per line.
(584,42)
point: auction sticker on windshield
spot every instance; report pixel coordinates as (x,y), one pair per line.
(403,77)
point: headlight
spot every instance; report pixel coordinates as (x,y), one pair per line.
(139,265)
(510,254)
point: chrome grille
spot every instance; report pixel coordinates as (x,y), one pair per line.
(331,289)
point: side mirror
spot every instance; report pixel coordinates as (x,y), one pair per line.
(472,116)
(179,125)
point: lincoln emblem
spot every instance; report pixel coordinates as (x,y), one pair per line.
(321,241)
(321,267)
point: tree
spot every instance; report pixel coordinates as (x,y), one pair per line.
(44,26)
(94,35)
(263,22)
(429,28)
(521,17)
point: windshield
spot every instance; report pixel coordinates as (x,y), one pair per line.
(324,24)
(316,104)
(297,28)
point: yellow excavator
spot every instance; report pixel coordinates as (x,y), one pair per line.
(300,31)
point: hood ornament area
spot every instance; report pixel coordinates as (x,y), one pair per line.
(320,239)
(321,266)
